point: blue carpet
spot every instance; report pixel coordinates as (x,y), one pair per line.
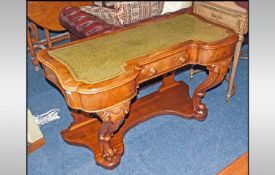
(163,145)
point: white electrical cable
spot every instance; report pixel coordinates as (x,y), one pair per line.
(47,117)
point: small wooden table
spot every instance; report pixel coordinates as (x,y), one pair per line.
(100,76)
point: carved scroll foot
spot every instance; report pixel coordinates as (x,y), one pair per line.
(217,73)
(105,134)
(200,111)
(111,121)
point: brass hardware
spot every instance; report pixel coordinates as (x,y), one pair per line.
(182,59)
(153,71)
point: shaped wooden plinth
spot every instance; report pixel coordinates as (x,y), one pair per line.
(171,98)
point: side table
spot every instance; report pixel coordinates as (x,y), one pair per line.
(230,14)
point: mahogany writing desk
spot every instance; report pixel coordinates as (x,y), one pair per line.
(99,78)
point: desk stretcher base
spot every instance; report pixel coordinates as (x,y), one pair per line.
(171,99)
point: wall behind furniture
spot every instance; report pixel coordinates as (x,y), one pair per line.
(171,6)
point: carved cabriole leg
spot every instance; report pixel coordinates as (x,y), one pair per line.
(217,73)
(111,121)
(230,91)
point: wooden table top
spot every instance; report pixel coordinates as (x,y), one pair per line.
(102,58)
(46,13)
(204,43)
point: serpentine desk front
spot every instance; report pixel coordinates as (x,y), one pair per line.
(99,78)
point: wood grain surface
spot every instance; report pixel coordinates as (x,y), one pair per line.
(238,167)
(46,13)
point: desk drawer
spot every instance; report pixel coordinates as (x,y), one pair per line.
(163,65)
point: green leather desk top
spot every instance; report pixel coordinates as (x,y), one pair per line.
(103,58)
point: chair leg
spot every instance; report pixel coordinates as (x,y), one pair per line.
(230,91)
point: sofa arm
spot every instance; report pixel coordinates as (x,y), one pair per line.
(82,25)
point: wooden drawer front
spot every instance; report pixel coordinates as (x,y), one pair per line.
(226,18)
(163,65)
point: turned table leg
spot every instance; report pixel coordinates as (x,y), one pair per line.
(111,121)
(33,27)
(30,44)
(48,38)
(217,73)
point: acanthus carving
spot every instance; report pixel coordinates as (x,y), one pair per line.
(216,68)
(217,73)
(111,120)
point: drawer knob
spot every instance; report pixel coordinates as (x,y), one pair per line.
(182,59)
(153,71)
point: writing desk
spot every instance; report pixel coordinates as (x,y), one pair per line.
(99,78)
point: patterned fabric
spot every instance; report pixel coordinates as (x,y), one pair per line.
(81,24)
(130,12)
(126,12)
(105,14)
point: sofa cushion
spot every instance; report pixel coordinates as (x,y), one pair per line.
(130,12)
(126,12)
(103,13)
